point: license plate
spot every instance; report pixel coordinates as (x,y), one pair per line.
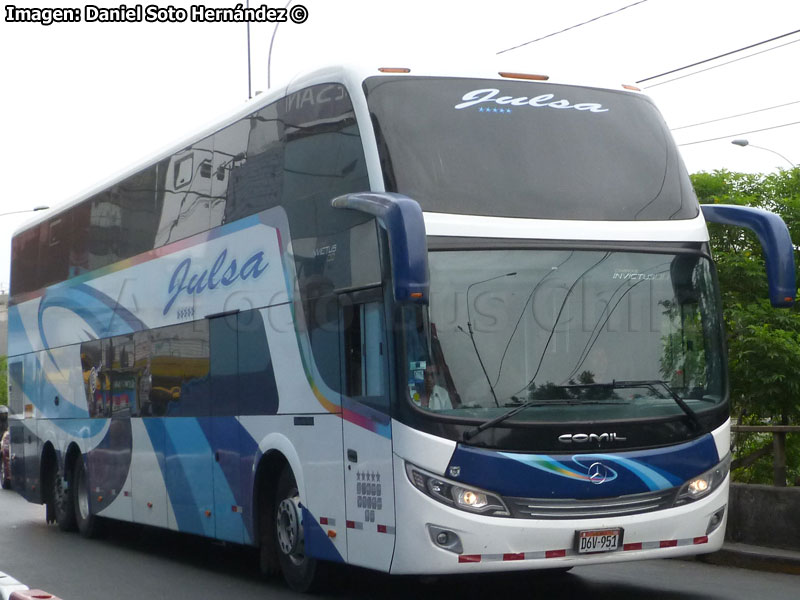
(599,540)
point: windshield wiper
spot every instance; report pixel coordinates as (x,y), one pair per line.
(468,435)
(648,383)
(472,332)
(645,383)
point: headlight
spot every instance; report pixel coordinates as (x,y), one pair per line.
(455,494)
(702,485)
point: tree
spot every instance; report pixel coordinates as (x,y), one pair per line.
(763,342)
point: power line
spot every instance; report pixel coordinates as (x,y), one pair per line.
(752,112)
(740,133)
(544,37)
(700,62)
(719,65)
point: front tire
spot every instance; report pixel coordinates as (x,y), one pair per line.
(301,572)
(84,519)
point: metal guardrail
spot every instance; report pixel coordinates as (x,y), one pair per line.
(778,448)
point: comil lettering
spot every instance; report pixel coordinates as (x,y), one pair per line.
(545,100)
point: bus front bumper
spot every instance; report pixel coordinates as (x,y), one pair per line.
(488,544)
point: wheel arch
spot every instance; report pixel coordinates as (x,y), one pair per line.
(275,452)
(72,453)
(48,464)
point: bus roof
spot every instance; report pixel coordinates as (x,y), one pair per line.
(352,75)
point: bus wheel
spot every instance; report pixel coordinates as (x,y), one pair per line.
(302,573)
(62,501)
(85,520)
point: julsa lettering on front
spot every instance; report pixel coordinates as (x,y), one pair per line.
(544,100)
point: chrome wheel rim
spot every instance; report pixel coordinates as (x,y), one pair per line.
(290,529)
(60,492)
(83,494)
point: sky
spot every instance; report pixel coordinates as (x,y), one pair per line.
(83,101)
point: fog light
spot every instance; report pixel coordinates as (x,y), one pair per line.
(445,539)
(715,520)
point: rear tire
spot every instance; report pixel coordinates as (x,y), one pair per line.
(301,572)
(268,563)
(87,522)
(62,501)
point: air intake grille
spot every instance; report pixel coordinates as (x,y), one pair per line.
(547,508)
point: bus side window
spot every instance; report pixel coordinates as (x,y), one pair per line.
(92,365)
(242,376)
(364,340)
(179,369)
(224,374)
(258,391)
(15,394)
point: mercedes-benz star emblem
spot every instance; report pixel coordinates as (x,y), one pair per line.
(598,473)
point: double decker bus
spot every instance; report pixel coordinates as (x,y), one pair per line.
(414,322)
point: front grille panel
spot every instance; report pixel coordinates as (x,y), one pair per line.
(548,508)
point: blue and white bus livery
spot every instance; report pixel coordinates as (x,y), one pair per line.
(384,317)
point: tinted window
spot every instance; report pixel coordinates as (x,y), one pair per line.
(224,365)
(258,393)
(365,352)
(25,262)
(245,180)
(15,387)
(184,193)
(324,159)
(242,377)
(300,153)
(94,378)
(322,319)
(527,149)
(123,375)
(55,241)
(79,217)
(178,371)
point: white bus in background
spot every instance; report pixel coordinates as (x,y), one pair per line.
(413,321)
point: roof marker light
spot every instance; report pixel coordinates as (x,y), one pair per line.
(394,70)
(631,87)
(530,76)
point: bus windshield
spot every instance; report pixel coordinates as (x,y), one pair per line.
(586,335)
(527,149)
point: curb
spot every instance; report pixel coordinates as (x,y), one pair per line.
(11,589)
(9,585)
(757,558)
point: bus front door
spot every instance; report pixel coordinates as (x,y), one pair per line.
(369,489)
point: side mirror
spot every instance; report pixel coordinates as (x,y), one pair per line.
(401,217)
(775,240)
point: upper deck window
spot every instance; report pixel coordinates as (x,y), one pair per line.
(527,149)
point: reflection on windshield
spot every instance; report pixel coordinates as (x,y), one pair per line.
(453,143)
(630,334)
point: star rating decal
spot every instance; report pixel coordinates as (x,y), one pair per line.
(494,110)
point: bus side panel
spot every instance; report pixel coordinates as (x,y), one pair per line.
(189,473)
(150,500)
(312,445)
